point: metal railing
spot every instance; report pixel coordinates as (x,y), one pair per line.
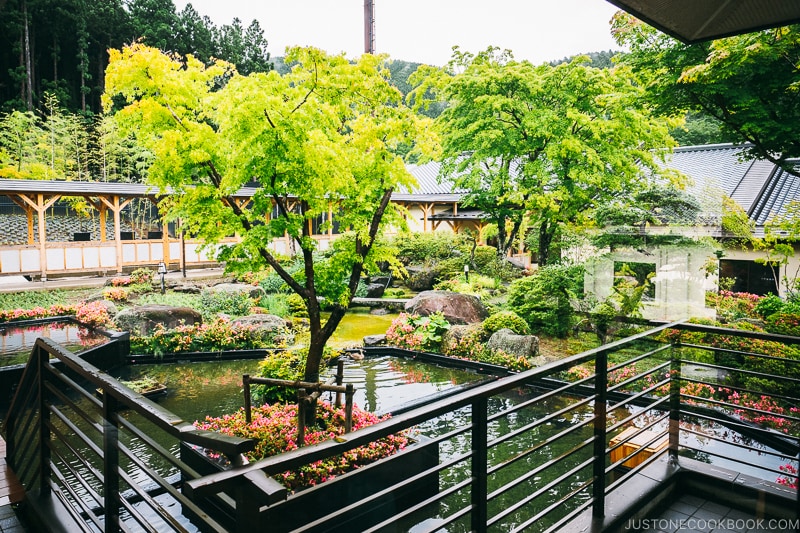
(532,451)
(84,447)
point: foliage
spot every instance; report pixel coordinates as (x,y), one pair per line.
(219,335)
(275,430)
(115,294)
(233,303)
(505,319)
(477,285)
(288,365)
(414,332)
(543,142)
(8,315)
(142,276)
(471,347)
(275,304)
(747,82)
(326,136)
(93,314)
(174,299)
(296,306)
(781,234)
(544,299)
(142,384)
(733,306)
(769,305)
(784,323)
(428,248)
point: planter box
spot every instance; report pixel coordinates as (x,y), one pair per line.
(154,234)
(126,236)
(82,236)
(316,502)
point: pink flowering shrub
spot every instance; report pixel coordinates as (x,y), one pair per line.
(93,314)
(790,481)
(121,281)
(115,294)
(8,315)
(274,427)
(208,337)
(414,332)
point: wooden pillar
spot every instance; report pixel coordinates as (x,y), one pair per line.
(116,206)
(39,203)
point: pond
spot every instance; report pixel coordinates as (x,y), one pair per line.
(17,340)
(197,390)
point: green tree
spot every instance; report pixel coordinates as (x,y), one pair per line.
(322,137)
(155,22)
(545,142)
(748,83)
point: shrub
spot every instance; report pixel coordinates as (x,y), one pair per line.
(275,430)
(218,335)
(289,365)
(93,314)
(784,323)
(275,304)
(142,276)
(297,306)
(121,282)
(416,332)
(424,248)
(471,347)
(37,312)
(769,305)
(505,319)
(234,303)
(273,284)
(733,306)
(115,294)
(544,299)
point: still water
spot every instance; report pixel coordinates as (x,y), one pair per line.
(16,342)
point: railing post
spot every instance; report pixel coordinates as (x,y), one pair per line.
(674,402)
(42,358)
(111,498)
(247,398)
(348,407)
(339,379)
(599,465)
(301,417)
(480,464)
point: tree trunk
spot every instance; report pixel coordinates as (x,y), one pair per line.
(28,65)
(545,240)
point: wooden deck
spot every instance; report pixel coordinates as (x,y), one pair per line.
(10,490)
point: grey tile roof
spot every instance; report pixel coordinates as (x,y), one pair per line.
(427,180)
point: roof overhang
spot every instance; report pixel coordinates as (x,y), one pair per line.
(693,21)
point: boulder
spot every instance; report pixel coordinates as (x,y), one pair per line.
(269,326)
(507,341)
(111,307)
(453,336)
(143,319)
(379,311)
(374,340)
(420,279)
(381,280)
(252,291)
(186,288)
(457,308)
(375,290)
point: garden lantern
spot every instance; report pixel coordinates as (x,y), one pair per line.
(162,271)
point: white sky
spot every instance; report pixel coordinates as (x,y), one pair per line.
(426,30)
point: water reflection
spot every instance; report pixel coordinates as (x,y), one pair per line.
(16,342)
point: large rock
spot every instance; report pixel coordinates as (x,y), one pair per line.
(268,326)
(252,291)
(143,319)
(420,279)
(507,341)
(375,290)
(374,340)
(454,335)
(457,308)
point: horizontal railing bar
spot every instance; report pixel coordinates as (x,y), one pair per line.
(554,393)
(779,455)
(165,515)
(734,388)
(638,377)
(90,421)
(642,449)
(77,519)
(570,516)
(63,485)
(92,493)
(317,387)
(136,516)
(786,443)
(738,407)
(79,457)
(640,357)
(311,526)
(165,420)
(540,421)
(716,330)
(747,372)
(735,460)
(539,445)
(627,419)
(550,508)
(57,374)
(128,426)
(543,490)
(30,376)
(77,431)
(633,471)
(539,469)
(644,393)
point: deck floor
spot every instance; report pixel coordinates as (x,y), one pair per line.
(11,492)
(691,513)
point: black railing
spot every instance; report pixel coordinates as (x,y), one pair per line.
(532,451)
(92,453)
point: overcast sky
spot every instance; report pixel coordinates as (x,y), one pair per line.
(426,30)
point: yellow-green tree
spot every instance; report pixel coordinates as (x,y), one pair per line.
(325,136)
